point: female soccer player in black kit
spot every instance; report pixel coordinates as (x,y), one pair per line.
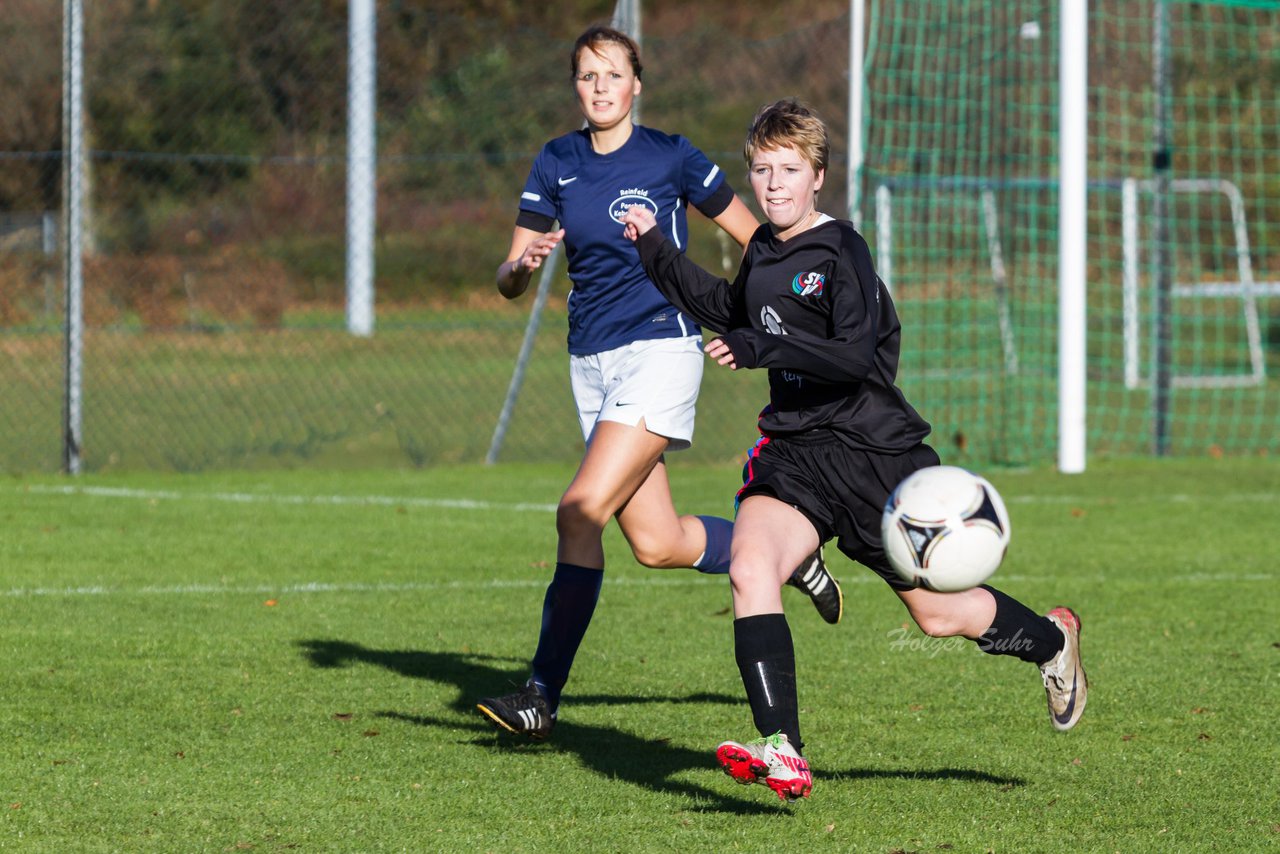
(836,438)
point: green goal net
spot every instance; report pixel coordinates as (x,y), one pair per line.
(960,200)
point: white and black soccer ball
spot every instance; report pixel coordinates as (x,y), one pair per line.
(945,528)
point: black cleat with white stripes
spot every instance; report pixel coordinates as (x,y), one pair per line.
(820,586)
(524,713)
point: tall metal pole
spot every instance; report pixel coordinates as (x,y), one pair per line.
(853,180)
(362,194)
(1073,146)
(626,18)
(72,212)
(1163,274)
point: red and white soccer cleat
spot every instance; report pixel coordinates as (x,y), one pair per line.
(770,761)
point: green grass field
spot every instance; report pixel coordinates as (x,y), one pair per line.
(287,661)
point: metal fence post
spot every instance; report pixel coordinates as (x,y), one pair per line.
(362,194)
(72,211)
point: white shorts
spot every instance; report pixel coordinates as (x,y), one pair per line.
(655,380)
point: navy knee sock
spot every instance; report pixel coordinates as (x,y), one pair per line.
(566,612)
(767,661)
(715,558)
(1019,631)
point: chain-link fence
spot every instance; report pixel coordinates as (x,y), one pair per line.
(215,230)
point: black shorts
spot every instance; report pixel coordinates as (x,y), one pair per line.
(842,491)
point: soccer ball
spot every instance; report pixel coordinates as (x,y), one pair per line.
(945,528)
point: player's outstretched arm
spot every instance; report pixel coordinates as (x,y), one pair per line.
(528,250)
(706,298)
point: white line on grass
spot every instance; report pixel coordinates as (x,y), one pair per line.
(262,589)
(679,579)
(1151,498)
(251,498)
(471,504)
(327,587)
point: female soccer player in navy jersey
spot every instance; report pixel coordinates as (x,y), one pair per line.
(635,360)
(837,437)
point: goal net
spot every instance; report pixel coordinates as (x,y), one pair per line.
(960,199)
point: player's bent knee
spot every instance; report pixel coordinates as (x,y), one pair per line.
(654,556)
(653,561)
(747,575)
(576,515)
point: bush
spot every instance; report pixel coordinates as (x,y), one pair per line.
(225,288)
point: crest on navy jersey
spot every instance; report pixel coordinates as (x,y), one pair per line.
(808,284)
(629,199)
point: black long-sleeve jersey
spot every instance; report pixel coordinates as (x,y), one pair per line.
(812,310)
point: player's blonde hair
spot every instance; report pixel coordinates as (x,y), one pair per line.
(789,124)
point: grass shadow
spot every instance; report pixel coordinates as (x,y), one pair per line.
(608,751)
(964,775)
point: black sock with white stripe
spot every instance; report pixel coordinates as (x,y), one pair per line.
(767,661)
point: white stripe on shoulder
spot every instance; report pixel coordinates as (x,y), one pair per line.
(531,197)
(711,176)
(675,234)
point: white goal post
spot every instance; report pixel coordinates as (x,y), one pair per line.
(1072,181)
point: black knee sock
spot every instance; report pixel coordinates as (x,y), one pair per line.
(1019,631)
(767,661)
(566,613)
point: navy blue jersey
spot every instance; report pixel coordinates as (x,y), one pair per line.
(613,303)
